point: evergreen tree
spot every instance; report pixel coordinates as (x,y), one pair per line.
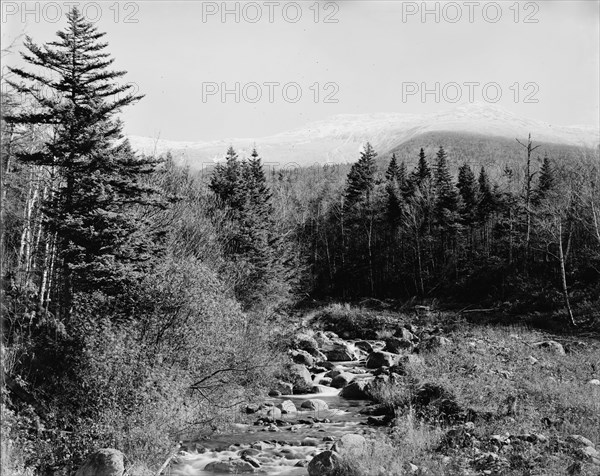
(361,178)
(446,196)
(486,200)
(227,181)
(545,183)
(99,243)
(394,182)
(422,171)
(467,187)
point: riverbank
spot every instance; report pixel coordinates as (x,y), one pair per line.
(431,394)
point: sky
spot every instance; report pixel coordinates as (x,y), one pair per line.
(213,70)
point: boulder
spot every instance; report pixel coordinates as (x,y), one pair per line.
(274,413)
(364,346)
(339,352)
(341,380)
(232,466)
(302,357)
(300,377)
(104,462)
(307,343)
(314,404)
(594,381)
(350,443)
(287,406)
(356,390)
(326,463)
(397,345)
(552,346)
(379,359)
(284,388)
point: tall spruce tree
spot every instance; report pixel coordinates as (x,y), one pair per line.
(467,187)
(395,180)
(446,194)
(545,182)
(486,202)
(361,178)
(99,244)
(422,171)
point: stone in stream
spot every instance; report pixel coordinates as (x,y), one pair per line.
(233,466)
(342,379)
(325,381)
(350,443)
(357,390)
(324,464)
(301,378)
(364,346)
(339,353)
(287,406)
(379,359)
(314,404)
(104,462)
(302,357)
(274,413)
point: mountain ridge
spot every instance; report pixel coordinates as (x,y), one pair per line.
(339,138)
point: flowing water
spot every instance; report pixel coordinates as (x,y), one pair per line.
(281,450)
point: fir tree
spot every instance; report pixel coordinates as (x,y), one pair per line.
(361,178)
(467,187)
(446,196)
(394,182)
(422,171)
(486,202)
(100,243)
(545,183)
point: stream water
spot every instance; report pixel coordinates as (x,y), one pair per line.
(287,448)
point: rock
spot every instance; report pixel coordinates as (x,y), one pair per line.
(318,389)
(341,380)
(233,466)
(287,406)
(300,464)
(357,390)
(579,441)
(327,365)
(301,378)
(324,338)
(284,388)
(314,404)
(339,353)
(325,381)
(436,342)
(306,343)
(397,345)
(302,357)
(309,442)
(274,413)
(364,345)
(104,462)
(334,372)
(253,461)
(379,359)
(552,346)
(404,333)
(532,360)
(326,463)
(350,443)
(594,381)
(381,420)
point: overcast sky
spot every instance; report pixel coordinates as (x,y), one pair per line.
(366,56)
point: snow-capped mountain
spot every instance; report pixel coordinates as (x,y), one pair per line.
(339,138)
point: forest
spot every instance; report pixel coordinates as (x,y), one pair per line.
(142,300)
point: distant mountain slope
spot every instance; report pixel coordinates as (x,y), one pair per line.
(339,138)
(493,152)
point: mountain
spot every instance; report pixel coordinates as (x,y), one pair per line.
(338,139)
